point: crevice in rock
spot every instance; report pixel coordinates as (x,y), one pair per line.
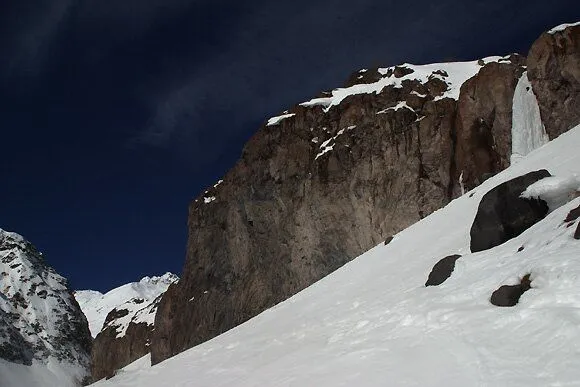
(452,153)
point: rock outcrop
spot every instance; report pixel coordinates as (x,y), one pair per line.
(509,295)
(554,71)
(125,338)
(122,322)
(330,178)
(502,214)
(442,270)
(484,122)
(40,320)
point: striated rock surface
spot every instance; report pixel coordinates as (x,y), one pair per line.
(317,187)
(554,71)
(484,122)
(330,178)
(40,320)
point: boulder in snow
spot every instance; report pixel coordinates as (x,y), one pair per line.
(503,214)
(577,232)
(509,295)
(442,270)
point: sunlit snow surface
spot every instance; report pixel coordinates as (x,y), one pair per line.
(373,323)
(562,27)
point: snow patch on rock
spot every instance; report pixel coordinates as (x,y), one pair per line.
(562,27)
(454,74)
(276,120)
(554,190)
(96,306)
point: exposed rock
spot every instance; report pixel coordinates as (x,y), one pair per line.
(388,240)
(573,215)
(502,214)
(307,196)
(334,177)
(442,270)
(577,232)
(116,346)
(509,295)
(554,71)
(40,321)
(123,334)
(484,122)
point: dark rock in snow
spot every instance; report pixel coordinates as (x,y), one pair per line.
(442,270)
(388,240)
(509,295)
(577,232)
(502,214)
(573,215)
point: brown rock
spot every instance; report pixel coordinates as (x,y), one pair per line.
(484,121)
(287,215)
(554,72)
(109,352)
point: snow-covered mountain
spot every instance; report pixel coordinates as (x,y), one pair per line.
(44,337)
(121,321)
(373,322)
(96,305)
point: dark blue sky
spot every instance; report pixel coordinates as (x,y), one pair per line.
(115,114)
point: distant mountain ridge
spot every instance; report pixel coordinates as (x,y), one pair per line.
(96,305)
(121,321)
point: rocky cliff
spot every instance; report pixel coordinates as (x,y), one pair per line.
(333,176)
(40,321)
(121,321)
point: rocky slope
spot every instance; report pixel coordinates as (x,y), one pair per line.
(332,177)
(42,326)
(121,321)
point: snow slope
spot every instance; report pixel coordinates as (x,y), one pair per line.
(373,323)
(96,305)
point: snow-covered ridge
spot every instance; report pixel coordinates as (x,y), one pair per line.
(42,330)
(454,74)
(562,27)
(372,322)
(132,296)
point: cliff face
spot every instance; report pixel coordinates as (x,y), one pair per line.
(121,321)
(117,345)
(331,178)
(554,71)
